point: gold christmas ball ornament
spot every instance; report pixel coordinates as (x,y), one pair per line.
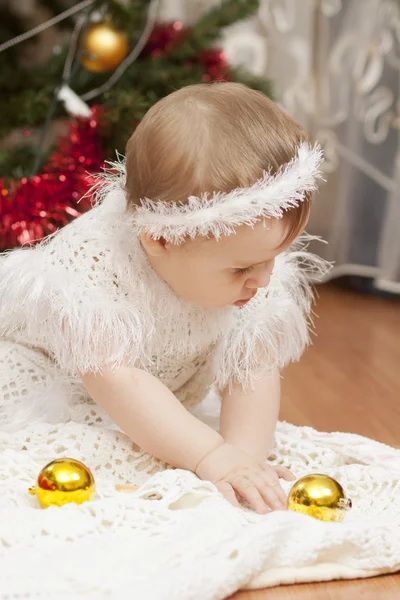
(319,496)
(104,48)
(62,481)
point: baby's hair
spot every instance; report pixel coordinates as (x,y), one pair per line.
(211,137)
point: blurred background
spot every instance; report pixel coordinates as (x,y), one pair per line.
(75,78)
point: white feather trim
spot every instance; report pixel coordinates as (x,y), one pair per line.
(270,196)
(111,179)
(273,329)
(221,213)
(66,295)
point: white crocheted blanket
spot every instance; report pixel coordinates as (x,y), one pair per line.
(176,537)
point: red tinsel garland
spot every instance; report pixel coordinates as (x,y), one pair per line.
(32,208)
(35,207)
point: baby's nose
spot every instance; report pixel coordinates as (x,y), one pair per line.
(259,280)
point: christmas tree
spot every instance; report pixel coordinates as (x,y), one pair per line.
(111,63)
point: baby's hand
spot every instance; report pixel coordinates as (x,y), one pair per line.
(232,470)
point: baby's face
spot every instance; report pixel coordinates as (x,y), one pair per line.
(216,274)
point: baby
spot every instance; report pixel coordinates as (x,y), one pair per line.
(179,279)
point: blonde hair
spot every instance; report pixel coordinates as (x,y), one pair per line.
(211,137)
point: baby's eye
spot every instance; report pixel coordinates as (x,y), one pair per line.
(243,271)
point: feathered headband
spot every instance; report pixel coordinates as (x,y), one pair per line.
(219,214)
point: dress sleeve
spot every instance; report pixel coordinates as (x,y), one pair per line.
(72,296)
(274,328)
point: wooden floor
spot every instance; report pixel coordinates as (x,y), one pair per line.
(348,381)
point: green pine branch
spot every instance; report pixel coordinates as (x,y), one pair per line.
(25,94)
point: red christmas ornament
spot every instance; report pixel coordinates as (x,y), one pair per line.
(215,65)
(35,207)
(166,38)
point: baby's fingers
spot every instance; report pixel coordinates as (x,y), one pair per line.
(227,490)
(273,487)
(248,490)
(272,496)
(284,473)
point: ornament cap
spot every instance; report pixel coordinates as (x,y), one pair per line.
(345,503)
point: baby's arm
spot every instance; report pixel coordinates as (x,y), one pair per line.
(152,416)
(248,419)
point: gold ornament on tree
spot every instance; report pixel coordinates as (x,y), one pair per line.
(319,496)
(104,47)
(62,481)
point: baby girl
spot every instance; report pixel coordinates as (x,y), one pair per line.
(182,277)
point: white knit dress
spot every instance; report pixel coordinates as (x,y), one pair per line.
(87,299)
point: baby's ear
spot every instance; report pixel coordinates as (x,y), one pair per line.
(152,246)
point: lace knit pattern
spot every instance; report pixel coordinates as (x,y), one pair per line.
(176,537)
